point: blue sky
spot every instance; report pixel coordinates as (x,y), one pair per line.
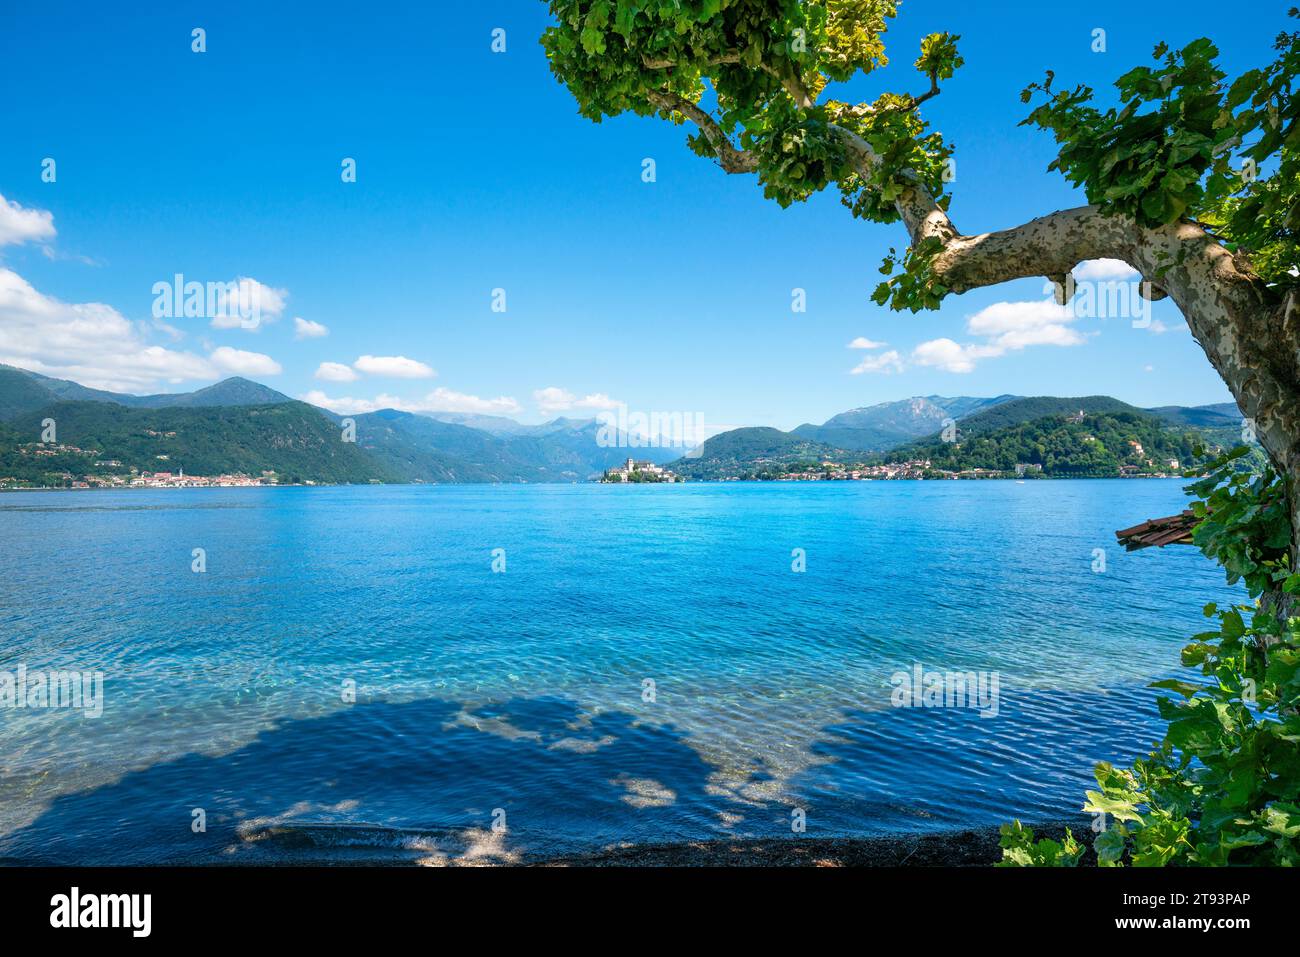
(474,172)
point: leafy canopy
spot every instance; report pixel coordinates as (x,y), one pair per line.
(761,67)
(1182,142)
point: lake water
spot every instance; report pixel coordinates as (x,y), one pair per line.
(647,667)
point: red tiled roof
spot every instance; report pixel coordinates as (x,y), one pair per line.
(1171,530)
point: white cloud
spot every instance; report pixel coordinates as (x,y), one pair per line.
(252,299)
(554,399)
(347,405)
(1004,327)
(170,331)
(945,354)
(306,329)
(20,225)
(597,401)
(91,343)
(397,367)
(885,362)
(1159,328)
(1015,325)
(335,372)
(861,342)
(445,400)
(244,363)
(439,400)
(1103,269)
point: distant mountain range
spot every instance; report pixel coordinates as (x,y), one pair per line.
(23,391)
(240,426)
(995,433)
(424,448)
(878,428)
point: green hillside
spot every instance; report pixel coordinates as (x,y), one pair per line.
(240,426)
(420,449)
(1018,411)
(1095,447)
(751,453)
(292,439)
(881,427)
(1221,415)
(20,393)
(24,391)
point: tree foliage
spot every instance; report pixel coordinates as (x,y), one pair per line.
(1185,142)
(1223,785)
(756,69)
(757,77)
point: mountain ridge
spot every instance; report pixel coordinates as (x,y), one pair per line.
(393,445)
(761,451)
(879,427)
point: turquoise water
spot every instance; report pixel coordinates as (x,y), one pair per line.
(520,697)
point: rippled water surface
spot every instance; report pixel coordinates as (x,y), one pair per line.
(522,696)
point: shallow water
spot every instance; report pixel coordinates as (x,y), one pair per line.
(521,697)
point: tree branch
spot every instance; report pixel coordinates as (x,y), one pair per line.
(928,94)
(789,81)
(793,85)
(1250,337)
(1050,246)
(1247,331)
(726,58)
(731,159)
(920,213)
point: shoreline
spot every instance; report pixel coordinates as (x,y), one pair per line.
(178,488)
(299,846)
(969,847)
(972,847)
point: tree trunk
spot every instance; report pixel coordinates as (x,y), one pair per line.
(1289,605)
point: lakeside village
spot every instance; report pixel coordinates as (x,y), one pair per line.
(131,478)
(922,469)
(914,470)
(917,469)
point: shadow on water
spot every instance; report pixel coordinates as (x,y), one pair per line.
(927,769)
(424,781)
(421,779)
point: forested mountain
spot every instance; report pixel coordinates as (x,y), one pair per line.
(240,426)
(1028,409)
(291,439)
(738,453)
(1221,415)
(391,446)
(1098,445)
(24,391)
(1046,431)
(880,427)
(419,448)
